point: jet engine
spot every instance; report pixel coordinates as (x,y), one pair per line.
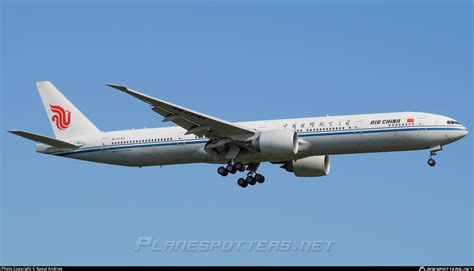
(278,143)
(312,166)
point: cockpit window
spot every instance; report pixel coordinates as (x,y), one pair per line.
(453,122)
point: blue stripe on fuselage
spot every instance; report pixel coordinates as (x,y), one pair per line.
(303,134)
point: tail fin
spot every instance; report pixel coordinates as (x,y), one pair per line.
(66,120)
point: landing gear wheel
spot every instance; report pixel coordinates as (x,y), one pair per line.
(431,162)
(222,171)
(259,178)
(239,166)
(433,152)
(242,182)
(231,168)
(251,180)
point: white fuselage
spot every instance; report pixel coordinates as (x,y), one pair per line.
(316,136)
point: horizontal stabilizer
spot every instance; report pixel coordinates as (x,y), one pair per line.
(45,140)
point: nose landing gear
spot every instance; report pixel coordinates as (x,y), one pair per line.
(433,150)
(432,162)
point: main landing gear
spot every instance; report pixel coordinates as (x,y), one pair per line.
(433,150)
(252,177)
(252,180)
(231,168)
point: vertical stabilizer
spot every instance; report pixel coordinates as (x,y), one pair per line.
(67,121)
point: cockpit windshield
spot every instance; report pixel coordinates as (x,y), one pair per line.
(453,122)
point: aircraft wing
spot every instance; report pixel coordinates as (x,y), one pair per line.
(194,122)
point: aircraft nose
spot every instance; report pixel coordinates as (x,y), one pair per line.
(462,133)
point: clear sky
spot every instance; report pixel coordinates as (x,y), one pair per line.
(238,61)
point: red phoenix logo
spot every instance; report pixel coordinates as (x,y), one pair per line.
(61,117)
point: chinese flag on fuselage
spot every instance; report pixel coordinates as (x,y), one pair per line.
(410,120)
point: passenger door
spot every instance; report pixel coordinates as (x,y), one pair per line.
(421,122)
(357,126)
(181,138)
(105,143)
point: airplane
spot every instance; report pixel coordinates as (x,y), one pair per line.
(301,145)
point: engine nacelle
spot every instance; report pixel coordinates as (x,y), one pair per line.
(313,166)
(277,143)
